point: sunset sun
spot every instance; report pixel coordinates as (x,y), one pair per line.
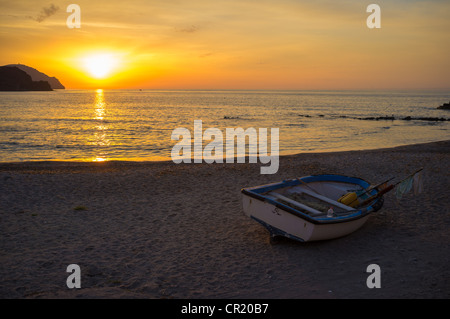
(100,66)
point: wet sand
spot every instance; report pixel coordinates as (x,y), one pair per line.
(161,230)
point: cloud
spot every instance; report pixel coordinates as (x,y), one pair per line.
(46,12)
(190,29)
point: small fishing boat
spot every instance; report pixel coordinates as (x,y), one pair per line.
(316,207)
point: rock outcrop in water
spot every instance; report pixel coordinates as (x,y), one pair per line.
(14,79)
(39,76)
(445,106)
(385,118)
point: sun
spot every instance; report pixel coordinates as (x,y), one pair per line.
(100,65)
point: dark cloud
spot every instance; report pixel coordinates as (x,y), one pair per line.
(190,29)
(46,12)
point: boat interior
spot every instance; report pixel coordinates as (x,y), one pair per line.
(316,198)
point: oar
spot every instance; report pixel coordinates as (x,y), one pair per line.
(379,194)
(370,188)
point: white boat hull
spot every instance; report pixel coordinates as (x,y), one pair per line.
(285,224)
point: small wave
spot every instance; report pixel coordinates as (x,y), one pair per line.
(296,124)
(226,117)
(232,118)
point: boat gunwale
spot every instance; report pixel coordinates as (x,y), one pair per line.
(256,191)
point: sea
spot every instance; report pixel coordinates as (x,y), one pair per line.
(137,125)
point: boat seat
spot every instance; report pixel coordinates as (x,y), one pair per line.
(312,211)
(327,200)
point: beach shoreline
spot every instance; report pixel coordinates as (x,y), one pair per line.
(133,162)
(156,229)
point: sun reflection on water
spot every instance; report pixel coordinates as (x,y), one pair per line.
(100,136)
(99,105)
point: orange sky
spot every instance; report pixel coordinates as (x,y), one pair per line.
(233,44)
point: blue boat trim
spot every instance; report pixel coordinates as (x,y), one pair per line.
(257,193)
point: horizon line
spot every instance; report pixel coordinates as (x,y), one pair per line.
(261,89)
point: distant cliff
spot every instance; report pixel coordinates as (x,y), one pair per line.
(39,76)
(14,79)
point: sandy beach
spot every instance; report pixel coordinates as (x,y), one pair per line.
(160,230)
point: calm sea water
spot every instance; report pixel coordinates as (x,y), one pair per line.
(89,125)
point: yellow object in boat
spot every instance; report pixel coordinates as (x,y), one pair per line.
(349,199)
